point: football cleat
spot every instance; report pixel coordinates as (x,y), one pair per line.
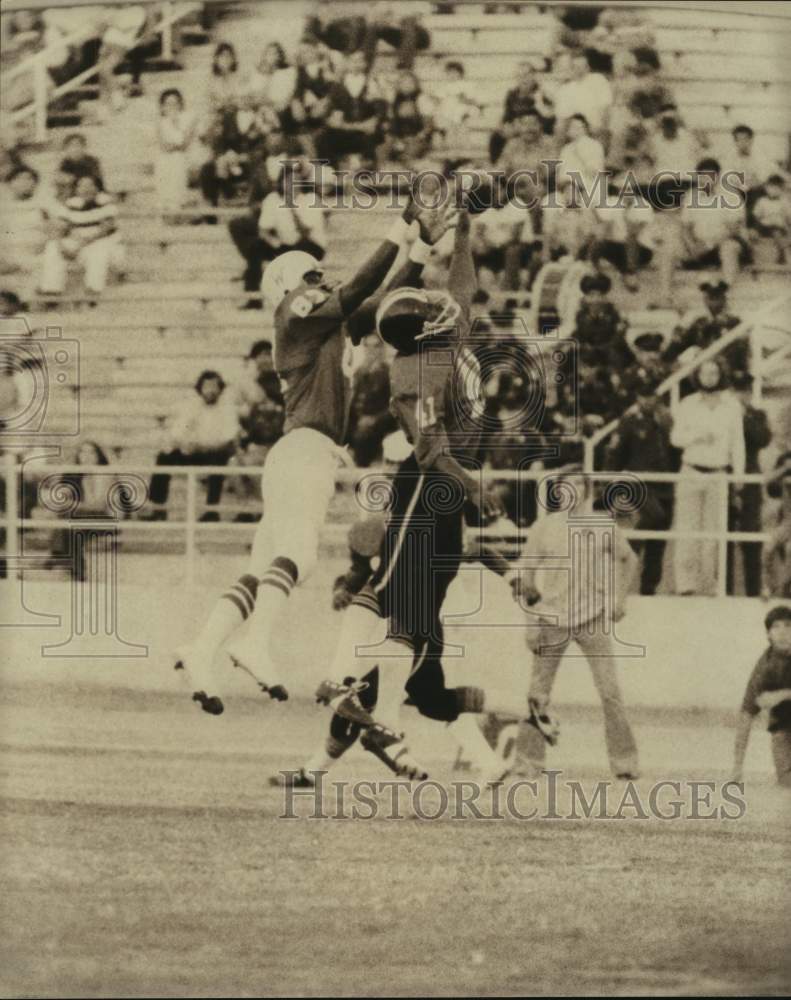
(545,724)
(391,749)
(288,779)
(275,691)
(212,704)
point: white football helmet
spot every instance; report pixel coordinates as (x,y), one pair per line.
(285,273)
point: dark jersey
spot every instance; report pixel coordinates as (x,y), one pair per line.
(436,396)
(313,359)
(772,672)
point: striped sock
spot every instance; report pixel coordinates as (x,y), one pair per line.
(282,574)
(232,609)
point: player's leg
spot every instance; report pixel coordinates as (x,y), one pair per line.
(299,483)
(548,645)
(781,754)
(621,746)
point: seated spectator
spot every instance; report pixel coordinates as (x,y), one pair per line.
(703,327)
(89,234)
(25,228)
(586,93)
(772,215)
(673,150)
(710,233)
(708,427)
(408,127)
(370,420)
(503,242)
(310,106)
(272,84)
(599,329)
(355,117)
(529,150)
(741,155)
(454,100)
(527,97)
(237,145)
(622,30)
(282,227)
(10,303)
(638,97)
(202,431)
(77,162)
(176,129)
(403,30)
(624,235)
(582,158)
(225,87)
(91,492)
(569,228)
(259,384)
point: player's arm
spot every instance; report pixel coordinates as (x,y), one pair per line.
(750,708)
(375,270)
(462,278)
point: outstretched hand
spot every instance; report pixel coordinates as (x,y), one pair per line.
(433,222)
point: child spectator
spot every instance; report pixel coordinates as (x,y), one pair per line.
(89,235)
(772,215)
(769,690)
(77,162)
(408,126)
(176,128)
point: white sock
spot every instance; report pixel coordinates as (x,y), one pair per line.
(360,628)
(395,664)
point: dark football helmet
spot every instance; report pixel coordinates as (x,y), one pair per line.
(406,316)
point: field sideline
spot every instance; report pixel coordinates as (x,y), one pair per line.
(143,856)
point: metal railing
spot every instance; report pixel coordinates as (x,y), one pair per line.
(36,64)
(134,480)
(754,327)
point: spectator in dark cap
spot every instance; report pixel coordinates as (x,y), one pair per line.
(599,328)
(77,162)
(640,444)
(707,325)
(746,506)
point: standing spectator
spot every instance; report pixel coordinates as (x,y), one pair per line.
(77,162)
(176,128)
(772,215)
(745,513)
(202,432)
(708,427)
(355,116)
(703,327)
(641,443)
(586,93)
(710,232)
(527,97)
(582,158)
(89,221)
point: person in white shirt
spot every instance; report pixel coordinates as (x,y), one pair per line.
(582,158)
(202,431)
(586,93)
(454,100)
(502,242)
(580,569)
(708,427)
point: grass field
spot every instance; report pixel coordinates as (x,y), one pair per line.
(143,856)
